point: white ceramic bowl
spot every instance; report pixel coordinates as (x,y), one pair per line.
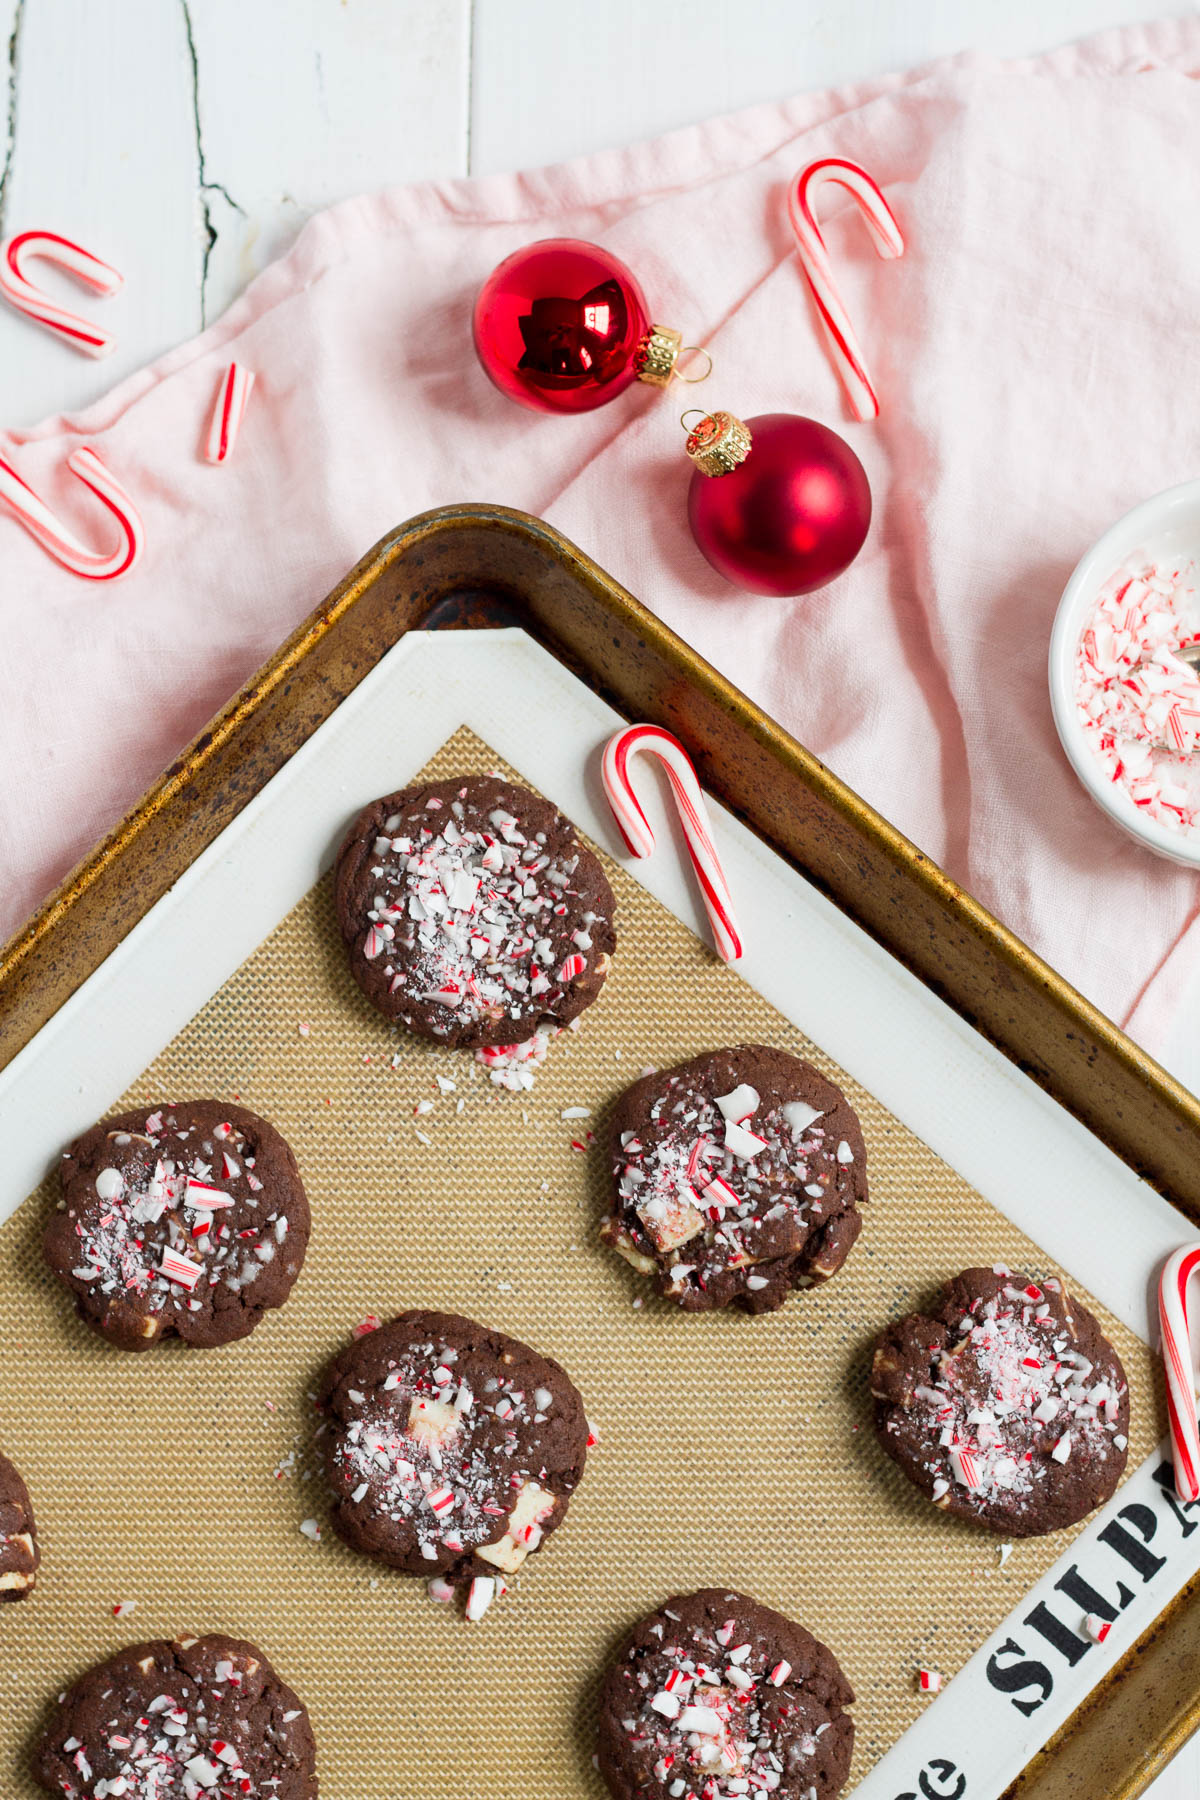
(1165,528)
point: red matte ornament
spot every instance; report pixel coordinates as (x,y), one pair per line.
(563,326)
(778,504)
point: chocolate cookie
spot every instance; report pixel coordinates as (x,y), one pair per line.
(19,1555)
(715,1695)
(1006,1405)
(452,1451)
(472,912)
(738,1177)
(202,1719)
(189,1219)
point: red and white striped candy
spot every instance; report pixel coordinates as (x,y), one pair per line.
(835,171)
(228,412)
(28,298)
(929,1681)
(480,1595)
(634,827)
(181,1269)
(53,535)
(202,1196)
(1181,1368)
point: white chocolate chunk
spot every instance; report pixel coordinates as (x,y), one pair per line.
(670,1222)
(637,1259)
(432,1422)
(524,1529)
(16,1581)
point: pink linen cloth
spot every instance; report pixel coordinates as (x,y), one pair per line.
(1038,359)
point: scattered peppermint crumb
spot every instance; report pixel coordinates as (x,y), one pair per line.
(311,1530)
(304,1030)
(422,1107)
(505,1287)
(575,1112)
(1005,1552)
(123,1608)
(447,1086)
(423,1135)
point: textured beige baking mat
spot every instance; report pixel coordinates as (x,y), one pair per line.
(732,1450)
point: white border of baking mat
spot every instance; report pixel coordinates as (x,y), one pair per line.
(1065,1189)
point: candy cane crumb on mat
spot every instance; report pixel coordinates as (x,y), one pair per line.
(228,412)
(1180,1368)
(53,535)
(16,287)
(652,740)
(836,171)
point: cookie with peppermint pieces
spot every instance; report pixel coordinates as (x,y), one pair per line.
(472,913)
(19,1555)
(451,1450)
(737,1177)
(1004,1404)
(188,1220)
(204,1718)
(717,1695)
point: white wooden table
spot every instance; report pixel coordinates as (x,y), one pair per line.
(192,138)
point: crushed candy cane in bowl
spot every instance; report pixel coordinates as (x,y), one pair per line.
(1126,702)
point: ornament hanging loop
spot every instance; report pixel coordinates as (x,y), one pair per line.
(686,414)
(693,350)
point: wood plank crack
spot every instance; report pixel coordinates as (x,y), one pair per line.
(10,108)
(206,187)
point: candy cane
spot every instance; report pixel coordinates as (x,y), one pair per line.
(232,396)
(19,291)
(62,544)
(693,815)
(1181,1370)
(835,171)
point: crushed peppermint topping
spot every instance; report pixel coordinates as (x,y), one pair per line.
(422,1447)
(716,1718)
(729,1181)
(189,1742)
(172,1215)
(473,917)
(1137,701)
(1008,1391)
(515,1066)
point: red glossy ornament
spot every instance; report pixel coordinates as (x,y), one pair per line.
(779,504)
(563,326)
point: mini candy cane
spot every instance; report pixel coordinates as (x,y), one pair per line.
(19,291)
(232,396)
(62,544)
(835,171)
(1181,1372)
(693,814)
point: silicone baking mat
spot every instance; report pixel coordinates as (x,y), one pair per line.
(732,1449)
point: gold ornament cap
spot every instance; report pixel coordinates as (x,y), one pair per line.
(719,443)
(656,355)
